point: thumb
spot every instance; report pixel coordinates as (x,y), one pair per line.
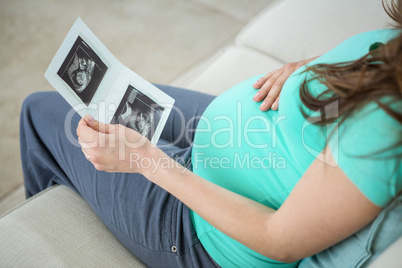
(96,125)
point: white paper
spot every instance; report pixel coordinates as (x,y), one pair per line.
(94,82)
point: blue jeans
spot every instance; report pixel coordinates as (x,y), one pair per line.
(154,225)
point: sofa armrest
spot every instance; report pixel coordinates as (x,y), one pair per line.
(58,228)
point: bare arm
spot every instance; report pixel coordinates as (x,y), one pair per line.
(323,208)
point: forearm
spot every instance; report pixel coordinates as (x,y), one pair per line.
(241,218)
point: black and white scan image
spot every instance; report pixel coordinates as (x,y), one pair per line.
(82,70)
(139,112)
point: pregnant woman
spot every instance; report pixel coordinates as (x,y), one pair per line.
(232,182)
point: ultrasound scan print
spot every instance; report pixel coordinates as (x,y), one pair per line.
(137,111)
(82,70)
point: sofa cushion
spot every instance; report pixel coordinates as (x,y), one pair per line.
(294,30)
(391,258)
(57,228)
(230,67)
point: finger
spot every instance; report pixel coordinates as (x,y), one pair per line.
(275,105)
(89,136)
(86,134)
(274,91)
(107,168)
(96,125)
(101,159)
(87,145)
(263,79)
(272,95)
(263,92)
(96,162)
(87,156)
(81,124)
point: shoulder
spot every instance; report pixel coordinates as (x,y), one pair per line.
(367,147)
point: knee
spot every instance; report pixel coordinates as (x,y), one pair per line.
(38,102)
(38,99)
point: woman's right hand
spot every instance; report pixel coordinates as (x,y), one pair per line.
(270,85)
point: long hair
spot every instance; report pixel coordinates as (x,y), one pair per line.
(356,83)
(353,84)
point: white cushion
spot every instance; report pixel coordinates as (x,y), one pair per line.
(293,30)
(391,257)
(57,228)
(230,67)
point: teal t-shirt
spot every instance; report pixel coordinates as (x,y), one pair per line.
(262,155)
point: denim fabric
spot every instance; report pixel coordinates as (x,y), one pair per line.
(362,248)
(150,222)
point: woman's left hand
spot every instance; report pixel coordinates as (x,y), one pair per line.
(270,85)
(113,148)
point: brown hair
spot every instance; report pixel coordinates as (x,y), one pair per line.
(356,83)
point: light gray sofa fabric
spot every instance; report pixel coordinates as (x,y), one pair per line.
(294,30)
(391,258)
(288,30)
(57,228)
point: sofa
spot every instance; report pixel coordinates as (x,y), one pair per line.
(57,228)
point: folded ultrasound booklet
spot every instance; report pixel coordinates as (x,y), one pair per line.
(94,82)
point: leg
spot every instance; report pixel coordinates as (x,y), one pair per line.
(145,218)
(183,120)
